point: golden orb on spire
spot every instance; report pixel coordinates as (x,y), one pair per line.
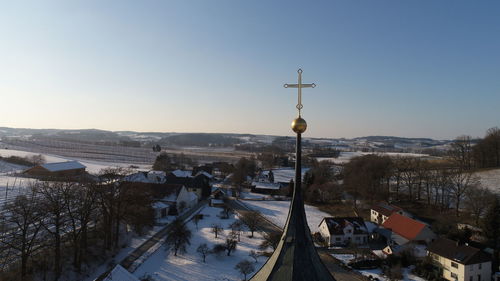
(299,125)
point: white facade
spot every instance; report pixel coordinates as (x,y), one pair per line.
(342,239)
(453,270)
(186,198)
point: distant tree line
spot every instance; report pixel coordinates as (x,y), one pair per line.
(25,161)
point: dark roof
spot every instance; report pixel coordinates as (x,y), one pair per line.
(460,253)
(336,225)
(386,209)
(404,226)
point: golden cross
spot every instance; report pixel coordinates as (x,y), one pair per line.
(299,86)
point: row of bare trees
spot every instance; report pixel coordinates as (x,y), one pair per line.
(441,184)
(57,219)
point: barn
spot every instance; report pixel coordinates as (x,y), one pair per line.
(57,170)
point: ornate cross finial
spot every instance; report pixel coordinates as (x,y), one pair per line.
(299,86)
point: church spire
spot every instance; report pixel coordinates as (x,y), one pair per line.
(295,258)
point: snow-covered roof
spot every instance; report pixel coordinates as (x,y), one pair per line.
(205,174)
(136,177)
(266,185)
(63,166)
(159,205)
(192,196)
(120,274)
(182,174)
(286,174)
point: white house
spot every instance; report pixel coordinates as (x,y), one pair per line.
(174,197)
(460,261)
(343,230)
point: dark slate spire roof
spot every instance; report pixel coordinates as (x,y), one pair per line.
(295,258)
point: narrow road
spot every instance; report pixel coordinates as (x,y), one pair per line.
(144,247)
(339,273)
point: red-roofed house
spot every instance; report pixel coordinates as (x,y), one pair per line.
(403,232)
(408,228)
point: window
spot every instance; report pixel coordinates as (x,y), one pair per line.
(454,264)
(471,278)
(453,275)
(479,277)
(471,268)
(357,238)
(337,239)
(480,266)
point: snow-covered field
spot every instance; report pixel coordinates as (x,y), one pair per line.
(490,179)
(92,166)
(277,212)
(346,156)
(162,265)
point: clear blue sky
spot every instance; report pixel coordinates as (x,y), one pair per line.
(404,68)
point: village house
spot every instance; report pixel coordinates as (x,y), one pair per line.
(404,233)
(344,230)
(458,261)
(172,199)
(69,169)
(199,184)
(381,212)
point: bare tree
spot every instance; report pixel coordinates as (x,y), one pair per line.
(236,228)
(178,237)
(245,267)
(216,229)
(52,203)
(271,239)
(254,255)
(203,250)
(196,219)
(477,200)
(80,207)
(461,152)
(252,219)
(231,244)
(460,182)
(23,218)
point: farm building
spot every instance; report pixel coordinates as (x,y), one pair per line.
(57,170)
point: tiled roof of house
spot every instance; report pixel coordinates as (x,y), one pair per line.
(386,209)
(336,225)
(460,253)
(404,226)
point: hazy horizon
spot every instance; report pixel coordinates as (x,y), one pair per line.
(291,134)
(391,68)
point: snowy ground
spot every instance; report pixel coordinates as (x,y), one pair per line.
(490,179)
(277,212)
(346,156)
(134,242)
(376,273)
(92,166)
(164,266)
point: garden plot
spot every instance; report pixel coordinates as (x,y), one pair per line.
(277,212)
(162,265)
(376,273)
